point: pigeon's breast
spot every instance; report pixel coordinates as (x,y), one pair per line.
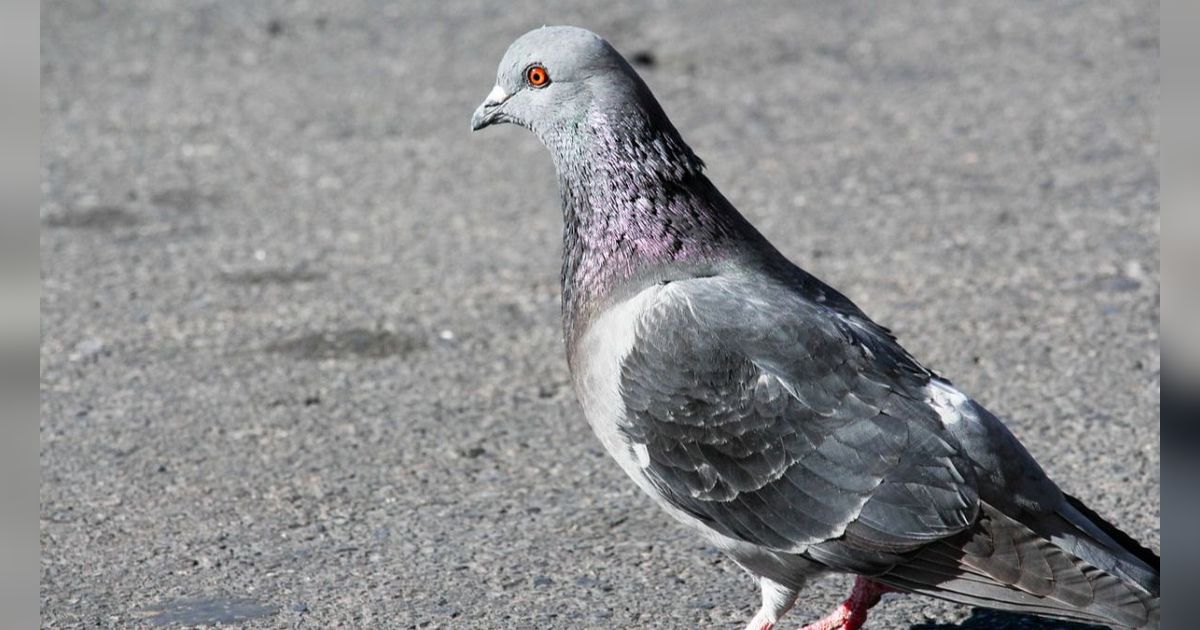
(601,350)
(599,356)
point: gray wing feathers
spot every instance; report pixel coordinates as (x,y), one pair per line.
(805,429)
(779,425)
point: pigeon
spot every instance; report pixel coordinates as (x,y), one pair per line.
(760,406)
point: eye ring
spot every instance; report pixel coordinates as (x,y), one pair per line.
(537,76)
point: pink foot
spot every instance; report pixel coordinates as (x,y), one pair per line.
(852,614)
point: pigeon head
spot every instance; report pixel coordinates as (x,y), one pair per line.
(580,97)
(551,77)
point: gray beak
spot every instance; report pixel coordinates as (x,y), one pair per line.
(488,111)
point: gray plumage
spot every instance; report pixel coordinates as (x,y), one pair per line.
(762,407)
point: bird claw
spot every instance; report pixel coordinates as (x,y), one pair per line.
(836,620)
(852,613)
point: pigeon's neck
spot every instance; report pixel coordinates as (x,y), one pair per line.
(637,210)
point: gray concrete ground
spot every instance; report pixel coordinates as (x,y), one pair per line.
(301,358)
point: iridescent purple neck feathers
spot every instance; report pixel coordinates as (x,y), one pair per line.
(637,209)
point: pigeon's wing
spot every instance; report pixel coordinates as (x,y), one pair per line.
(785,422)
(793,422)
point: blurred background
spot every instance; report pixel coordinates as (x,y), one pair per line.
(301,361)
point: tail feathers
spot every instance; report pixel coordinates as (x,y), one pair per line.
(1103,543)
(988,595)
(1001,563)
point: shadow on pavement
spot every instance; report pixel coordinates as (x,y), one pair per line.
(984,619)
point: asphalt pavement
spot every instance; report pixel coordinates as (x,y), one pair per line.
(301,359)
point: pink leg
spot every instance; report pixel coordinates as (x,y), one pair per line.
(852,614)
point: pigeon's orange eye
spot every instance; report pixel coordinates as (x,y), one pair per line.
(537,76)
